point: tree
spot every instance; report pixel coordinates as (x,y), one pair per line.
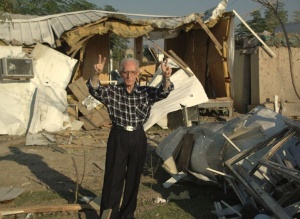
(269,22)
(38,7)
(257,24)
(296,16)
(5,9)
(118,45)
(271,19)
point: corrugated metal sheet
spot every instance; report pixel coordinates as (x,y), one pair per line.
(29,31)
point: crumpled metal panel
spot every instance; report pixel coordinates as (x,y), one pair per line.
(27,33)
(66,21)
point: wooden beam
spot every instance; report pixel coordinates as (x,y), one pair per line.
(211,36)
(175,60)
(225,69)
(138,49)
(178,58)
(271,53)
(43,209)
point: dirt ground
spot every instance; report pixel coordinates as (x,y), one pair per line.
(72,166)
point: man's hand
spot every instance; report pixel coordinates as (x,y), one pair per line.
(166,72)
(100,65)
(166,69)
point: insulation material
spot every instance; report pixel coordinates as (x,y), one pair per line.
(50,110)
(50,105)
(52,67)
(15,105)
(15,99)
(11,51)
(41,103)
(74,36)
(128,31)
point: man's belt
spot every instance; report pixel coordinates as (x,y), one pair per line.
(127,128)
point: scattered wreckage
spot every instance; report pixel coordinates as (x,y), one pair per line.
(257,154)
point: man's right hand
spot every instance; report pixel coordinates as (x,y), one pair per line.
(100,65)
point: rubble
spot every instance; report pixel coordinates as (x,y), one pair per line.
(256,154)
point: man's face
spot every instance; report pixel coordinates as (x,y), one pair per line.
(130,73)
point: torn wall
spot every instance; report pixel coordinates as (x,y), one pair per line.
(40,103)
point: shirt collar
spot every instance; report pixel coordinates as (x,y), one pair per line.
(135,88)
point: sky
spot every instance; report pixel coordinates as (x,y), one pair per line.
(186,7)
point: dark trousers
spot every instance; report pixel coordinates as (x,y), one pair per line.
(125,157)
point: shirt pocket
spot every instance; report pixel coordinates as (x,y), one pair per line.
(142,110)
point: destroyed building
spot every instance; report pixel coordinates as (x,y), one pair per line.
(257,153)
(74,40)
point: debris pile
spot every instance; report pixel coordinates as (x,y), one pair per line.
(257,154)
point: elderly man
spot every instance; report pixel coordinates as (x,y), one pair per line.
(129,108)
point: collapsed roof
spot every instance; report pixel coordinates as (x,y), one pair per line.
(68,26)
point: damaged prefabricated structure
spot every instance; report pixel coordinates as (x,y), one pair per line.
(65,46)
(256,154)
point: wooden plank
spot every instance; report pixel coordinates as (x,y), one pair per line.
(138,48)
(79,89)
(186,70)
(212,37)
(217,78)
(225,70)
(95,120)
(44,209)
(98,44)
(271,53)
(178,58)
(197,61)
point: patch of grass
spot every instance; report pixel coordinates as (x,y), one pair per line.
(35,198)
(168,210)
